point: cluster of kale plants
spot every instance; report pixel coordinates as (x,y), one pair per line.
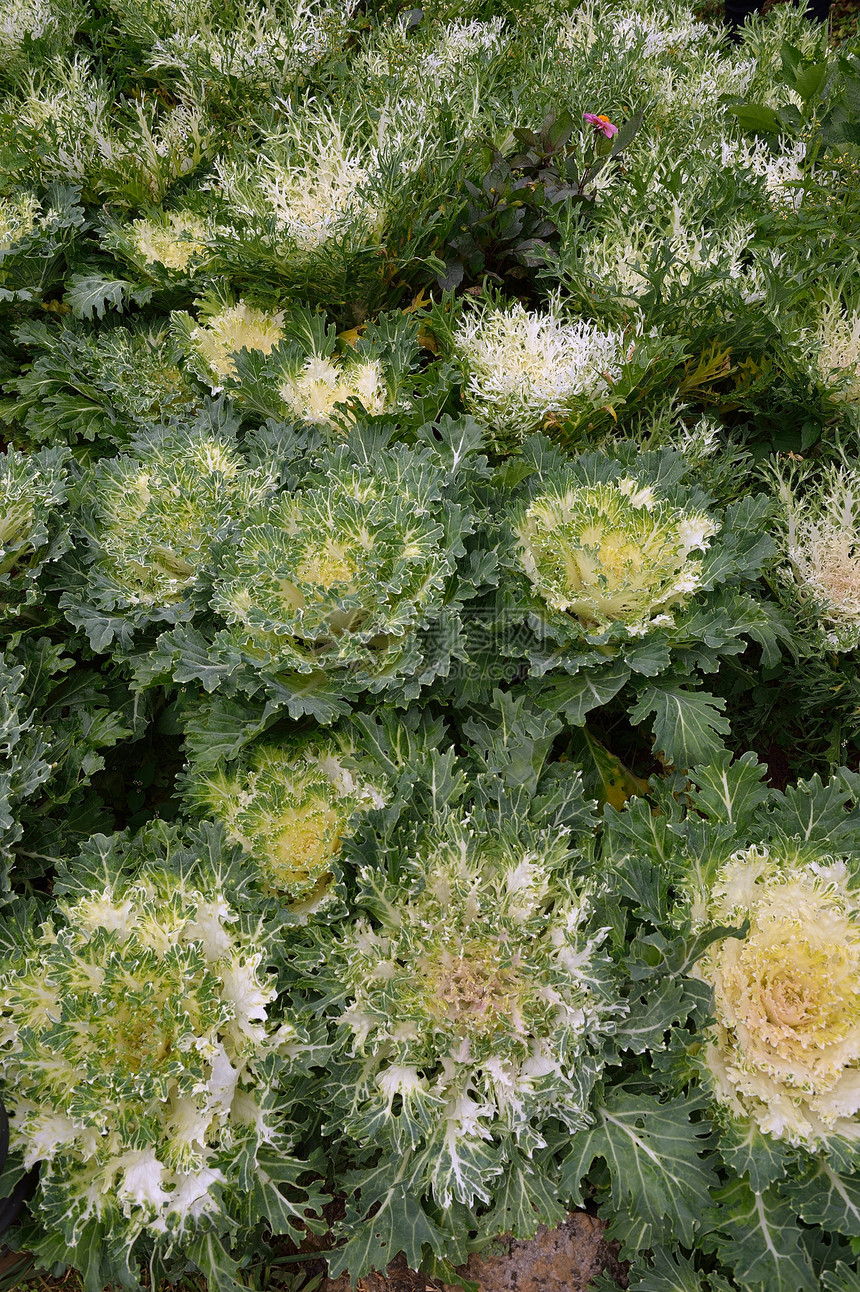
(430,574)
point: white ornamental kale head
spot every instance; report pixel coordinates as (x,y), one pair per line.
(785,1048)
(139,1055)
(610,553)
(474,1003)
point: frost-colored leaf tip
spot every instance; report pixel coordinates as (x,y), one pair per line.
(524,369)
(823,547)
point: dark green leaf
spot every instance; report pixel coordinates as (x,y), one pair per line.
(650,1017)
(757,118)
(400,1225)
(576,696)
(828,1198)
(654,1154)
(524,1199)
(214,1261)
(730,792)
(687,724)
(89,295)
(759,1239)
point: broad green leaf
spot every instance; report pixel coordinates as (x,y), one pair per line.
(658,955)
(756,117)
(791,58)
(687,724)
(730,792)
(209,1254)
(646,886)
(841,1279)
(557,129)
(456,440)
(100,626)
(89,295)
(88,1257)
(219,730)
(400,1225)
(654,1154)
(515,743)
(649,655)
(641,831)
(758,1237)
(828,1198)
(817,812)
(523,1199)
(760,1158)
(187,656)
(575,697)
(286,1214)
(651,1015)
(626,133)
(809,80)
(670,1272)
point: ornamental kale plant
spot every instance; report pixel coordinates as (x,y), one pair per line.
(786,1040)
(293,365)
(821,537)
(289,807)
(33,526)
(83,384)
(151,516)
(348,583)
(145,1065)
(339,209)
(470,996)
(522,370)
(429,710)
(753,893)
(625,575)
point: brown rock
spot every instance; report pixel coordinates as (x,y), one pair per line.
(556,1260)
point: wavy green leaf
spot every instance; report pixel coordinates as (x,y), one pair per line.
(758,1237)
(687,724)
(660,1177)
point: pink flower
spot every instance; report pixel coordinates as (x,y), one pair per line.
(601,123)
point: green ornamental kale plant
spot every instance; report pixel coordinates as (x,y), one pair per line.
(33,523)
(290,807)
(143,1060)
(627,575)
(99,385)
(743,926)
(291,364)
(471,999)
(149,518)
(348,583)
